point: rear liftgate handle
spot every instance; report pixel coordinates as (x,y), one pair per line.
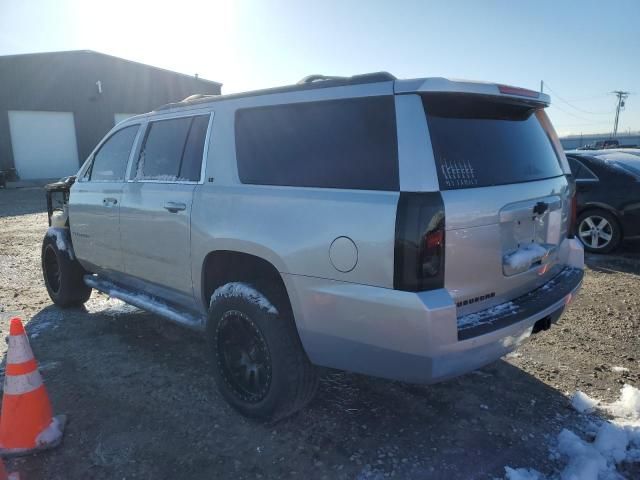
(174,207)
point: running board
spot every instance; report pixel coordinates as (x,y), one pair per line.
(145,302)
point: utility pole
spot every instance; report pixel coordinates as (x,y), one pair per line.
(622,96)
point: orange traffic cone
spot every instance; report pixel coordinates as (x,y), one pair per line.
(26,422)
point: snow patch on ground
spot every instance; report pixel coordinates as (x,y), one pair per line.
(47,319)
(62,240)
(583,403)
(613,442)
(245,291)
(628,405)
(52,435)
(619,369)
(112,307)
(524,256)
(522,474)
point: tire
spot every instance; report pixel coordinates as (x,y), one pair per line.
(63,276)
(259,364)
(599,231)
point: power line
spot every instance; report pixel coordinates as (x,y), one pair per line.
(585,99)
(589,120)
(573,106)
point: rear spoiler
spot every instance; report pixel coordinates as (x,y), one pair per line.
(444,85)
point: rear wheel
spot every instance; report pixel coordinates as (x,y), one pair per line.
(63,276)
(258,361)
(599,231)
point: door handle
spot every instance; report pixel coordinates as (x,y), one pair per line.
(109,201)
(174,207)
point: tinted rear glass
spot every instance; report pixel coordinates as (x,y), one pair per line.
(478,142)
(347,144)
(632,166)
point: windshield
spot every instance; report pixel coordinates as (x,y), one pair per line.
(479,142)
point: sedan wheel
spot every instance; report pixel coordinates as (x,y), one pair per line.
(595,232)
(599,231)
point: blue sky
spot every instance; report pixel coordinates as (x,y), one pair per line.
(581,49)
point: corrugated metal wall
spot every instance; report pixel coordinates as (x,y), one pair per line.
(66,82)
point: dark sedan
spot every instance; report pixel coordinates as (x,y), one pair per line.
(608,202)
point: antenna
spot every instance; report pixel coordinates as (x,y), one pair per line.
(622,96)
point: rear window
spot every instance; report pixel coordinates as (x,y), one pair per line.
(478,142)
(347,144)
(631,166)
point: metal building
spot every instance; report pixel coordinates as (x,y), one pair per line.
(571,142)
(55,107)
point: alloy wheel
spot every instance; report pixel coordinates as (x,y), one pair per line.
(595,232)
(243,356)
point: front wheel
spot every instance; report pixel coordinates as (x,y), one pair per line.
(258,361)
(63,276)
(599,231)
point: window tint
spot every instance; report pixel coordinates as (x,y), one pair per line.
(110,162)
(574,165)
(192,158)
(172,150)
(480,142)
(332,144)
(580,172)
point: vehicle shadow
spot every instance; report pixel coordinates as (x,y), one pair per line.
(143,404)
(22,201)
(625,259)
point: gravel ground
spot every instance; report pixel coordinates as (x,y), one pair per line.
(142,403)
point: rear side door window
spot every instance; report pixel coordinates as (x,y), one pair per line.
(172,150)
(110,162)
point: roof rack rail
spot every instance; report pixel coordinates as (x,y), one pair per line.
(185,101)
(366,77)
(310,82)
(318,78)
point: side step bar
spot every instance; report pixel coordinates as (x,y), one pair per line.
(145,302)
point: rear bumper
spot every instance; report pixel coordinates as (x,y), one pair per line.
(502,334)
(407,336)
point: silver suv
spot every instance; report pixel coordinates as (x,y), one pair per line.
(409,229)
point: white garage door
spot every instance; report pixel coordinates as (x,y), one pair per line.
(118,117)
(44,144)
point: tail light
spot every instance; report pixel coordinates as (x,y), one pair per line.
(523,92)
(573,219)
(419,244)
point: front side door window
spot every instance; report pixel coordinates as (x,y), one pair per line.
(110,162)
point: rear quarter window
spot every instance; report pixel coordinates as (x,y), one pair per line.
(349,144)
(480,142)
